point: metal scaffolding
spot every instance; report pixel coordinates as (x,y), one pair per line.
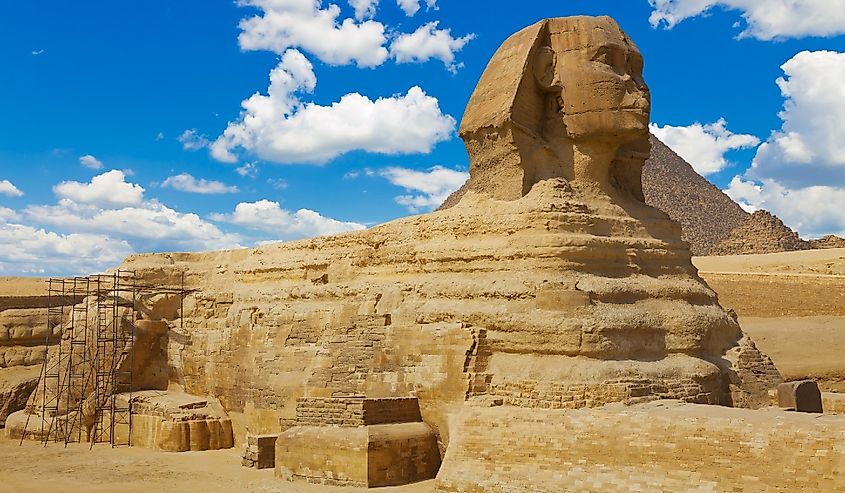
(91,362)
(86,377)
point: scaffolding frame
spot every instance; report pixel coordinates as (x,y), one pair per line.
(89,374)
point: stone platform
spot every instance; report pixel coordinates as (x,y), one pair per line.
(178,422)
(358,442)
(659,446)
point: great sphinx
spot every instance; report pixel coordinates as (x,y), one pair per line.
(546,284)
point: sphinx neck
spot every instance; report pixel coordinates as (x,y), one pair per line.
(591,160)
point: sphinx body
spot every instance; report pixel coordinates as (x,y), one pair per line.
(548,284)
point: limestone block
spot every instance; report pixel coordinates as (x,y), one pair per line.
(660,446)
(260,451)
(16,385)
(365,456)
(177,422)
(802,396)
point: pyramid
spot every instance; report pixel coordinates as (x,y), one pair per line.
(761,232)
(706,214)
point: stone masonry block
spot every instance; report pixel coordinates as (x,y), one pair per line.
(803,396)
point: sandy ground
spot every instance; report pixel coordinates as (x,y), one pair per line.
(32,468)
(23,286)
(792,305)
(803,347)
(813,262)
(795,284)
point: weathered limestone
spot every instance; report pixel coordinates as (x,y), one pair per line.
(802,396)
(177,422)
(260,451)
(659,446)
(23,331)
(358,442)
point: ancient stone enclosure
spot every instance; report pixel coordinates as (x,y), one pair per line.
(545,332)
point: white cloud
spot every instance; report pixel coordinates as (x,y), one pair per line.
(90,161)
(813,211)
(95,225)
(192,140)
(248,170)
(765,19)
(279,128)
(159,136)
(809,149)
(269,217)
(28,250)
(303,24)
(187,183)
(7,214)
(7,188)
(411,7)
(149,227)
(704,146)
(107,189)
(428,42)
(799,172)
(110,206)
(364,9)
(434,185)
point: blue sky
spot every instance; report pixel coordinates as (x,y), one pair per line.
(115,120)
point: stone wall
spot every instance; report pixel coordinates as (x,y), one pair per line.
(661,446)
(356,411)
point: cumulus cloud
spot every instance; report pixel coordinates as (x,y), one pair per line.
(268,216)
(428,42)
(411,7)
(107,189)
(94,225)
(813,211)
(799,172)
(278,127)
(187,183)
(765,19)
(810,146)
(285,24)
(7,188)
(110,206)
(192,140)
(7,214)
(428,189)
(148,227)
(90,161)
(364,9)
(28,250)
(704,146)
(248,170)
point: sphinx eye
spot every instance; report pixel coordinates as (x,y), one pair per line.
(603,55)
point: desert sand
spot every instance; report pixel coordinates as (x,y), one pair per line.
(793,306)
(32,468)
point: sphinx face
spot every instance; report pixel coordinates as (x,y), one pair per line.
(599,74)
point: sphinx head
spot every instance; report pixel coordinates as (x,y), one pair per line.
(594,75)
(556,86)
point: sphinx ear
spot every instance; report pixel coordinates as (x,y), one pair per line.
(544,68)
